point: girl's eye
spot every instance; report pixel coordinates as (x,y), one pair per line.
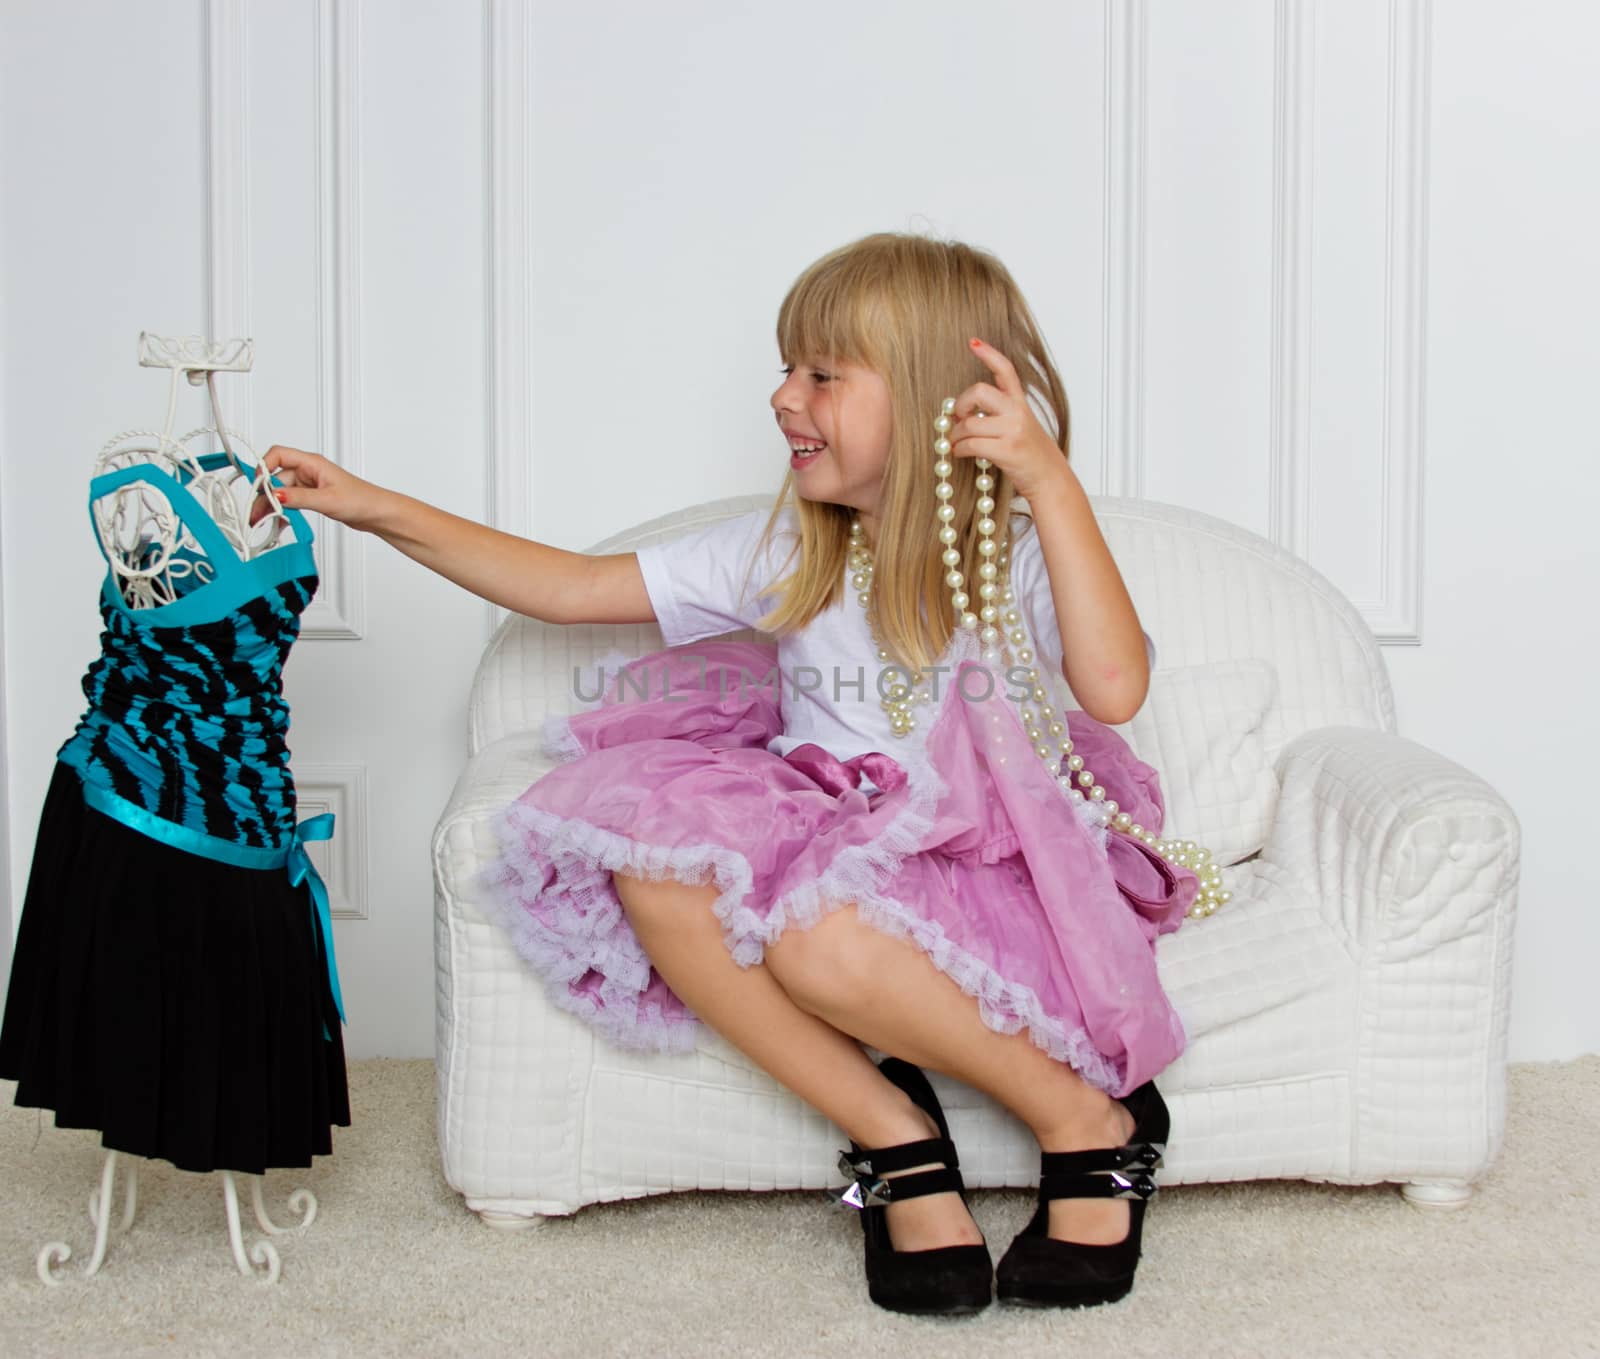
(816,373)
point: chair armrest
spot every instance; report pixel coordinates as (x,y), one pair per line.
(463,840)
(1402,847)
(493,779)
(511,1070)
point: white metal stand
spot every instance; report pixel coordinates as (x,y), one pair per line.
(261,1259)
(149,548)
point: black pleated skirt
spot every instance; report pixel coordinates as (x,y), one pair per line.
(178,1005)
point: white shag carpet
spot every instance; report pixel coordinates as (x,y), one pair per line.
(396,1265)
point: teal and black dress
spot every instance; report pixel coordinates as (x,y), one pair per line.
(173,984)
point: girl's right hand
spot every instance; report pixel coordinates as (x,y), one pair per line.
(308,481)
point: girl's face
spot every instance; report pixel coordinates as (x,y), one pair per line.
(847,408)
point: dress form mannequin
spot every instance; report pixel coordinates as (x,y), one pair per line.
(185,734)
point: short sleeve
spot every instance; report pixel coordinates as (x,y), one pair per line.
(1030,581)
(705,582)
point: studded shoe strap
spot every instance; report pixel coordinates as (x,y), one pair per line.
(882,1160)
(868,1169)
(1125,1172)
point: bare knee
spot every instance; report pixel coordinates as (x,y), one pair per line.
(821,961)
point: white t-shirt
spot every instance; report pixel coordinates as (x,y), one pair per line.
(828,672)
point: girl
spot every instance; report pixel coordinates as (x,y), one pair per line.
(958,901)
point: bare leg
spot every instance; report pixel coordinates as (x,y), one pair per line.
(886,992)
(826,1068)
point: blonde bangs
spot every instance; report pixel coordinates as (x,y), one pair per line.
(823,315)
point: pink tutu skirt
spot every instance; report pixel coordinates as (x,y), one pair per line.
(971,851)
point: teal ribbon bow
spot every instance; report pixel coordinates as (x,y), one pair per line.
(301,869)
(293,856)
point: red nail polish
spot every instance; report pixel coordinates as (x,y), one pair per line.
(974,343)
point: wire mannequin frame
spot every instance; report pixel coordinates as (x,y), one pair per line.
(151,552)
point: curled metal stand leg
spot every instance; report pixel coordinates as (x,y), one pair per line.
(263,1253)
(301,1201)
(100,1216)
(261,1260)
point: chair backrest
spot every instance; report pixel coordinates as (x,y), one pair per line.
(1206,591)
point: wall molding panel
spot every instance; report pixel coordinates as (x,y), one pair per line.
(343,596)
(1122,325)
(1293,183)
(509,61)
(1304,343)
(342,861)
(228,186)
(339,609)
(1396,616)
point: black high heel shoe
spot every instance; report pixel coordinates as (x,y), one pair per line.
(1040,1271)
(950,1280)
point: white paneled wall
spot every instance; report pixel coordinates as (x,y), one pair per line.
(1321,269)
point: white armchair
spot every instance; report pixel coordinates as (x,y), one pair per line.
(1346,1010)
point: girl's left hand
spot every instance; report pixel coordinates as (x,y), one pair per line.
(994,421)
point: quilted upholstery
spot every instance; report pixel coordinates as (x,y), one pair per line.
(1201,727)
(1346,1011)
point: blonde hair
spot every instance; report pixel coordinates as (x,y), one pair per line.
(905,306)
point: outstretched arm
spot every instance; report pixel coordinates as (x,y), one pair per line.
(528,577)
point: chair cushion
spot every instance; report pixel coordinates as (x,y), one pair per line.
(1201,727)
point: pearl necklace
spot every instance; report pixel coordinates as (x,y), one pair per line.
(1046,729)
